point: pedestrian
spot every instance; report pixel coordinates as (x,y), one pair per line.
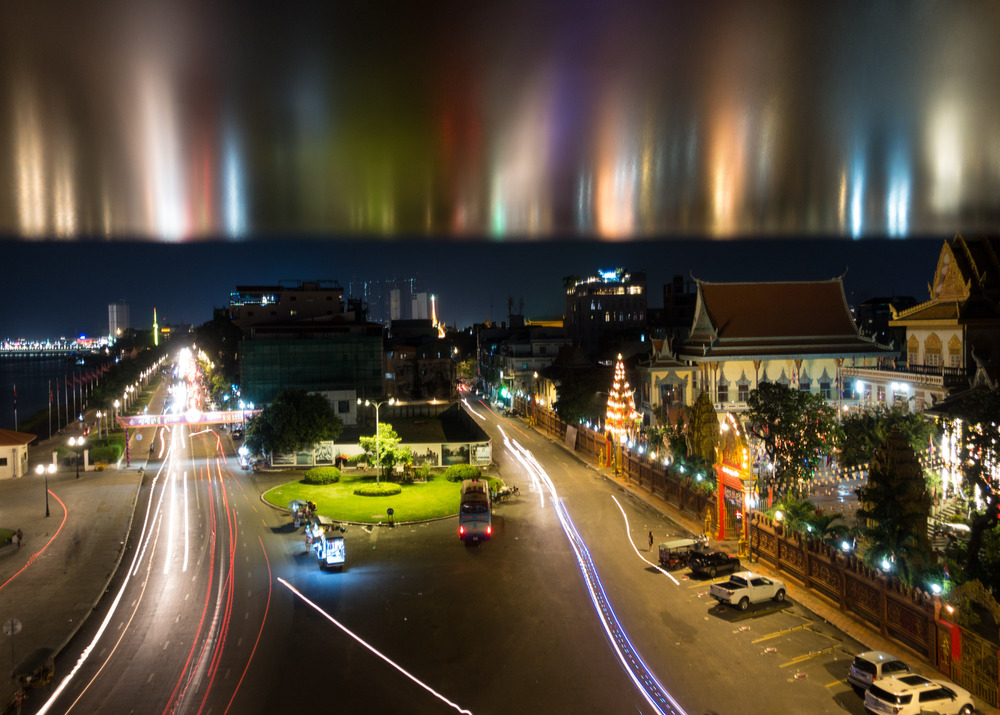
(651,541)
(19,535)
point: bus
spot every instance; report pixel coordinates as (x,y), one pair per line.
(475,520)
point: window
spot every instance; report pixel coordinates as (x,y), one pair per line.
(955,360)
(3,461)
(743,390)
(671,395)
(881,393)
(824,389)
(912,358)
(343,406)
(723,392)
(805,385)
(934,358)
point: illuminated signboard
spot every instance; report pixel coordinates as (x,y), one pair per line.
(191,417)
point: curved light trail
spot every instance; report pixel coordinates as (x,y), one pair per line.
(638,553)
(649,687)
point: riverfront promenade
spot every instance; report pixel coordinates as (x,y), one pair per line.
(53,581)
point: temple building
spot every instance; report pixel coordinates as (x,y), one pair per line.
(800,334)
(947,336)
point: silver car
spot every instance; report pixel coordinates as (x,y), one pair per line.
(872,665)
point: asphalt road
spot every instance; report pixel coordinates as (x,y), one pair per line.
(563,611)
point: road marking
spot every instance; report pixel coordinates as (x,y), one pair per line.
(779,633)
(808,656)
(836,682)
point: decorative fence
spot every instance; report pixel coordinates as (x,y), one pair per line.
(640,471)
(908,616)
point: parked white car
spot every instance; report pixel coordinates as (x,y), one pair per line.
(915,694)
(746,587)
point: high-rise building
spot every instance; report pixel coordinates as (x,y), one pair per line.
(607,307)
(118,321)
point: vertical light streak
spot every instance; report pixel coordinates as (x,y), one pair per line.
(946,157)
(857,198)
(234,193)
(161,162)
(30,161)
(616,173)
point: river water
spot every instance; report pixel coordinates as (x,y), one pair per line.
(33,376)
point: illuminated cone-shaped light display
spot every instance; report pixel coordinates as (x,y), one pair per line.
(621,415)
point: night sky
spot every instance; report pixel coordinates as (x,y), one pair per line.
(161,152)
(64,289)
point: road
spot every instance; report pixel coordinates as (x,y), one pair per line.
(222,609)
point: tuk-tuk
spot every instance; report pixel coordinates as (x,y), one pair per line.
(330,549)
(674,554)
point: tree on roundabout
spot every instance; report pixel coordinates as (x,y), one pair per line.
(386,442)
(296,420)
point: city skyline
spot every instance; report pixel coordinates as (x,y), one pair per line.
(642,118)
(66,293)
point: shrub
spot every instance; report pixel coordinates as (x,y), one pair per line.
(106,453)
(424,472)
(383,489)
(461,472)
(322,475)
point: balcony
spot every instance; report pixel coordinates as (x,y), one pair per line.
(928,375)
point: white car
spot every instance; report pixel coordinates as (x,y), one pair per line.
(914,694)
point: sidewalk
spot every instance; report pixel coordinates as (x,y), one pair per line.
(842,620)
(54,580)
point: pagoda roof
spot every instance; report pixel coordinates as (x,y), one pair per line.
(774,319)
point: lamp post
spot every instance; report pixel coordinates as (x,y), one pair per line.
(42,469)
(378,441)
(117,405)
(77,442)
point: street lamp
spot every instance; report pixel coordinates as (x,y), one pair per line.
(117,405)
(378,441)
(78,443)
(42,469)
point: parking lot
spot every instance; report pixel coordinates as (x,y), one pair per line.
(801,648)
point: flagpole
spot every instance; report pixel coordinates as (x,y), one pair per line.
(15,408)
(50,408)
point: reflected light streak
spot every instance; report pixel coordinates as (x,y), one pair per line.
(30,161)
(945,150)
(372,649)
(161,154)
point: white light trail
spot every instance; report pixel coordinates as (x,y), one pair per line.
(638,672)
(469,408)
(172,520)
(628,532)
(373,650)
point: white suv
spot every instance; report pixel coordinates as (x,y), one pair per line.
(914,694)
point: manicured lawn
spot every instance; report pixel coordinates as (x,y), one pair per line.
(426,500)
